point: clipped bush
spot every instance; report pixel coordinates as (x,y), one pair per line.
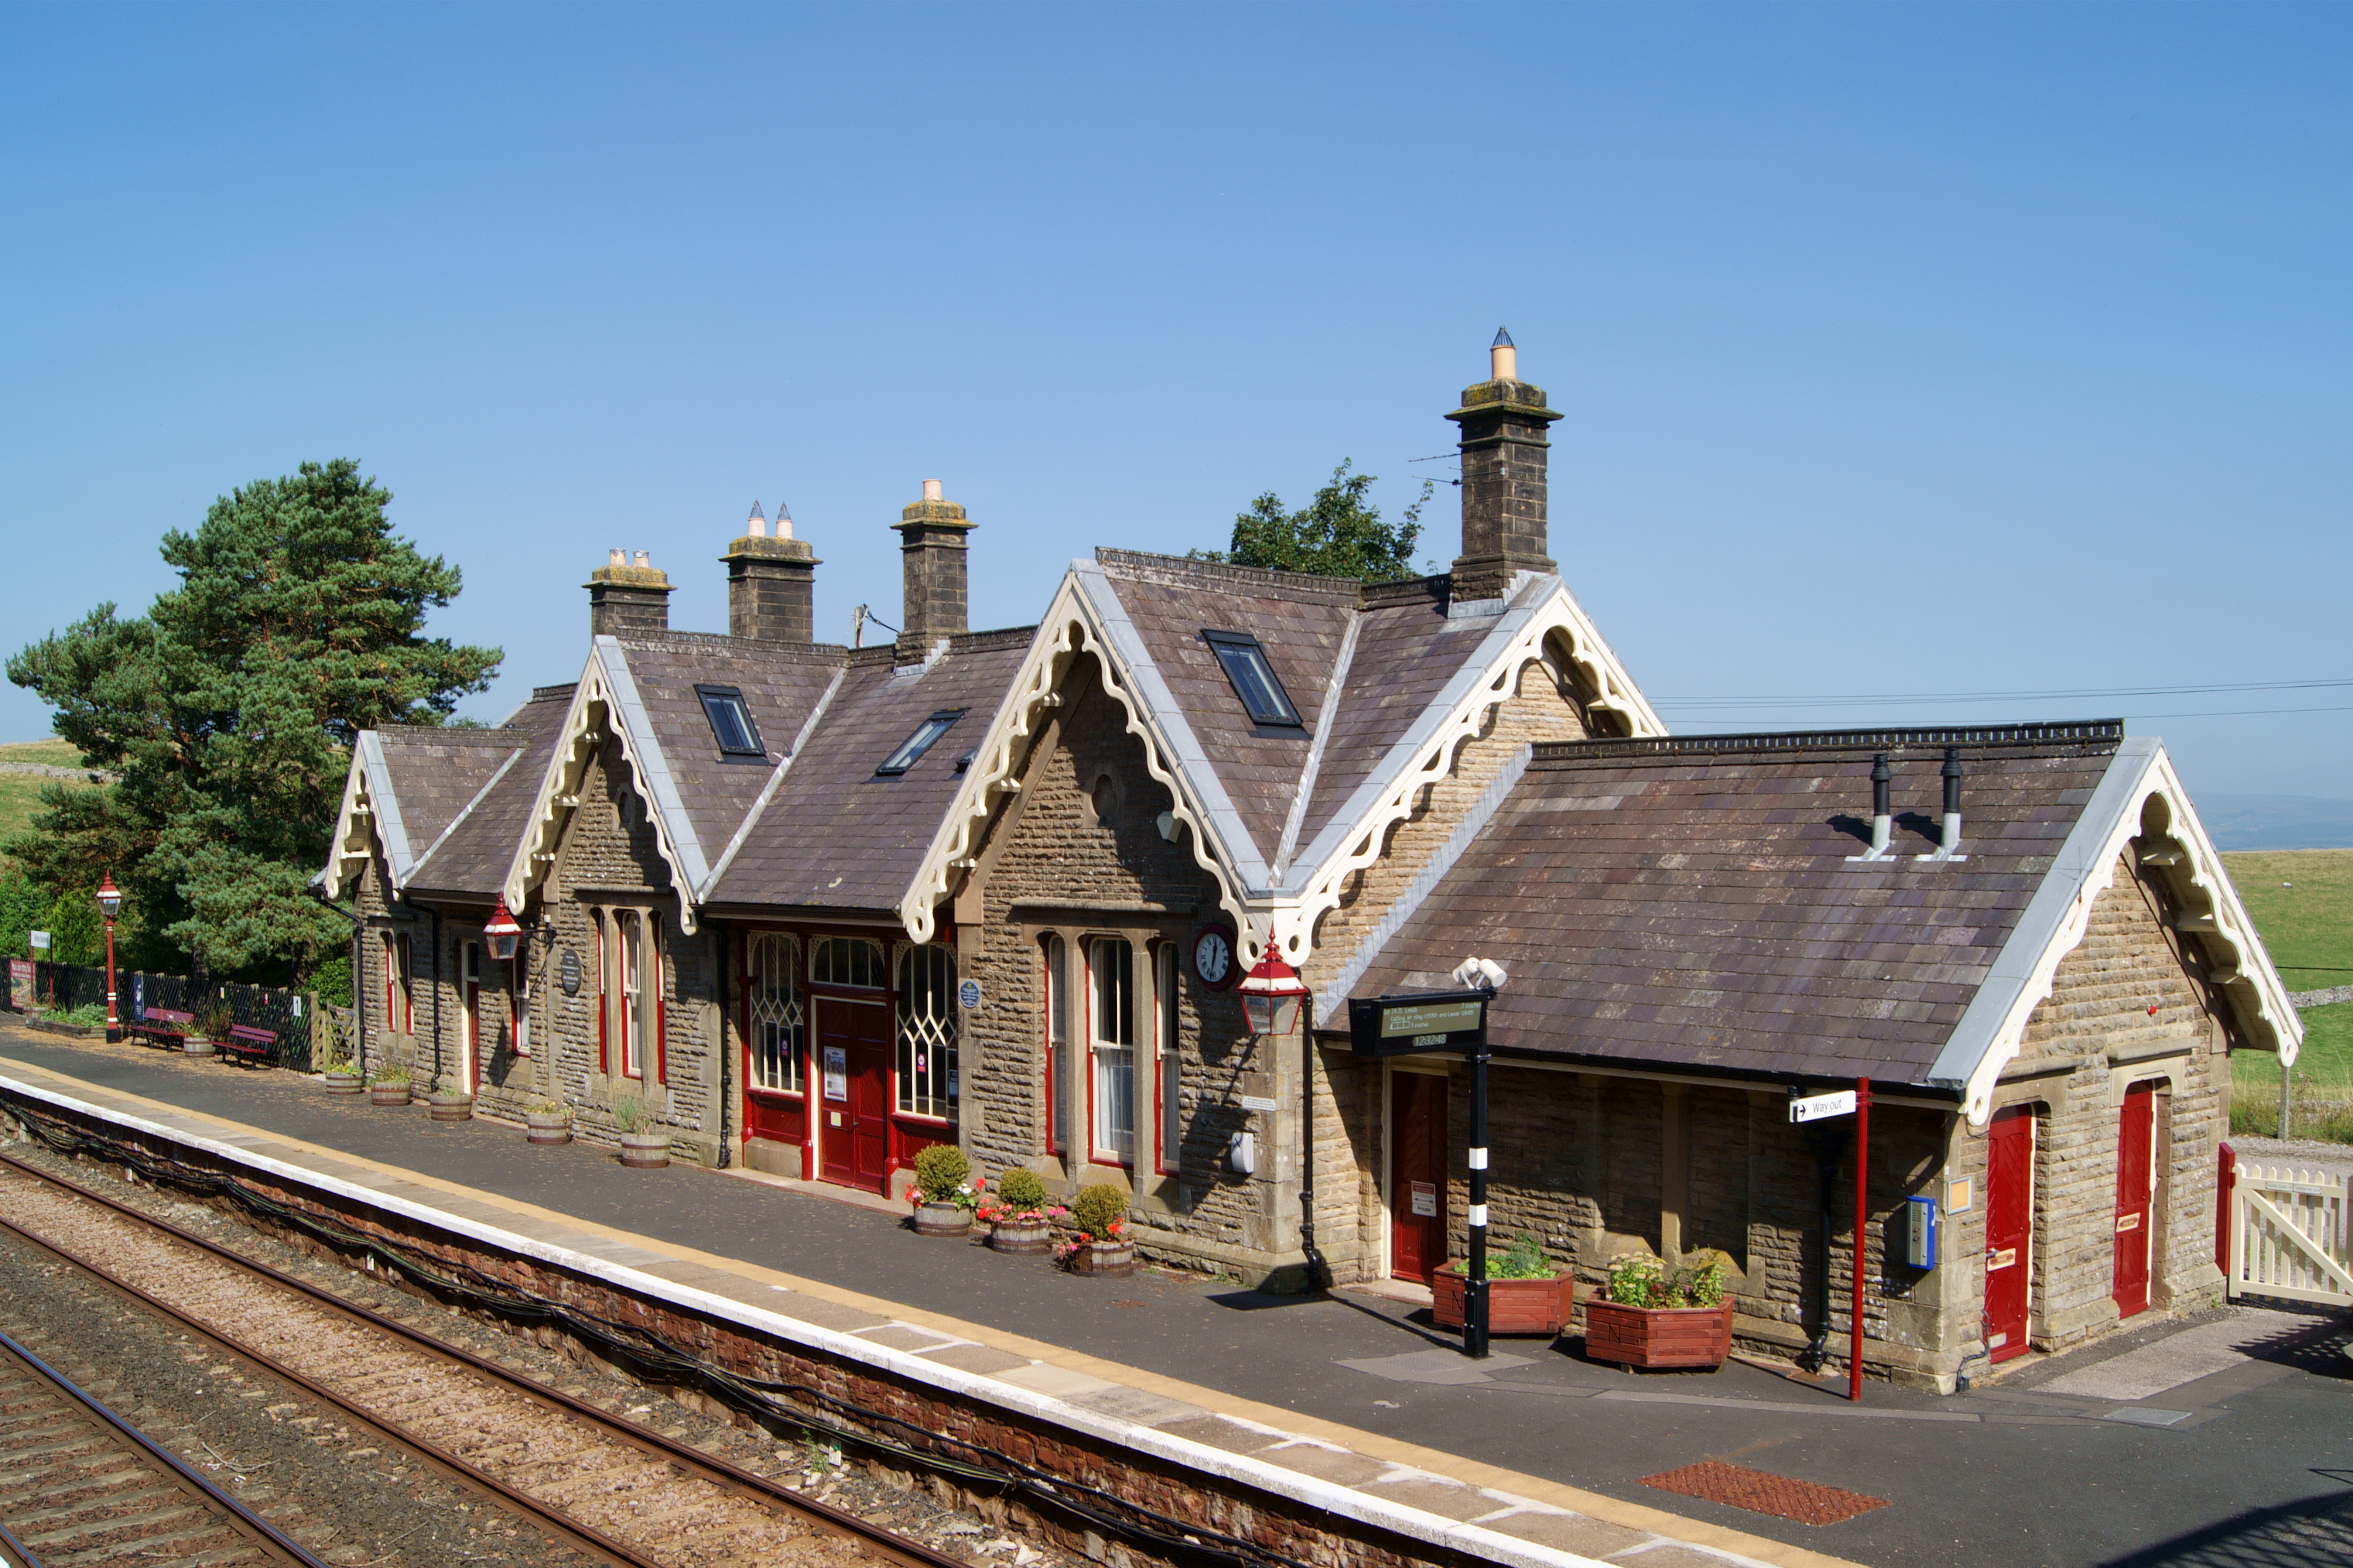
(631,1116)
(940,1170)
(1100,1212)
(1020,1190)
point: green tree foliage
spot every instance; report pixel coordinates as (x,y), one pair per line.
(22,905)
(227,712)
(1338,534)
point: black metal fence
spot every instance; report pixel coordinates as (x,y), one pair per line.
(287,1013)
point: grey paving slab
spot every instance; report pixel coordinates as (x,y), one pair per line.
(1568,1532)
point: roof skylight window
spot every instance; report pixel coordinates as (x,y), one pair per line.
(911,749)
(731,721)
(1246,665)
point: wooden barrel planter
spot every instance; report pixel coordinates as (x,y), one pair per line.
(942,1220)
(453,1107)
(547,1131)
(195,1046)
(1103,1259)
(1658,1336)
(1022,1237)
(1514,1306)
(388,1094)
(342,1082)
(645,1150)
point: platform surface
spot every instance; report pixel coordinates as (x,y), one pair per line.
(1355,1389)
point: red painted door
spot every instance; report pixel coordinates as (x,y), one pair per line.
(2010,1230)
(2136,1162)
(854,1074)
(1417,1174)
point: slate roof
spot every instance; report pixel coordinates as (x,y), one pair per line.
(475,847)
(782,684)
(433,775)
(1689,902)
(1405,650)
(837,835)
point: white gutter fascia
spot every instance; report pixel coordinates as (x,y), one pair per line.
(1334,996)
(1333,691)
(1142,677)
(391,832)
(1348,823)
(653,767)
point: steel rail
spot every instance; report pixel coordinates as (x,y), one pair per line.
(717,1472)
(243,1519)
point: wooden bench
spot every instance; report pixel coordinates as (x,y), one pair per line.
(163,1026)
(248,1043)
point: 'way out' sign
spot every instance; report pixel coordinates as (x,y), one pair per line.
(1815,1106)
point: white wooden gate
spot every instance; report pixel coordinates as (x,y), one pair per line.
(2289,1237)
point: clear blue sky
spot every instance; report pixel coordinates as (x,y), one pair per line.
(1905,350)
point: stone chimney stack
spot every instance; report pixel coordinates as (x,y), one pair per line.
(933,552)
(625,598)
(771,583)
(1503,455)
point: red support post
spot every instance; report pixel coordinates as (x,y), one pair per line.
(2225,1188)
(1861,1224)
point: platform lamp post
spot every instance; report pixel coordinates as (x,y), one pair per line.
(1274,1001)
(110,899)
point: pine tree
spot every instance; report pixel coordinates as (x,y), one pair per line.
(227,712)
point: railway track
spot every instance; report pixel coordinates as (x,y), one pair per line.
(614,1490)
(80,1485)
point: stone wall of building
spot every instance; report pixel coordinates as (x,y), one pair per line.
(2123,1010)
(607,858)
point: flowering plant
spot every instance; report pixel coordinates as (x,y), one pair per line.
(993,1214)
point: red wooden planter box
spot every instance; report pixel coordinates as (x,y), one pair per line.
(1514,1306)
(1658,1336)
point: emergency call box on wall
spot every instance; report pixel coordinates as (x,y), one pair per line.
(1920,1232)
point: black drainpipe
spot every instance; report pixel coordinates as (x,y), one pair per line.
(435,915)
(719,944)
(1826,1158)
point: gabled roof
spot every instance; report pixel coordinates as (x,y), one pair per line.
(1388,681)
(470,856)
(832,833)
(1695,902)
(809,825)
(410,785)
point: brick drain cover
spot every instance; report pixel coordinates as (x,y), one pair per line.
(1783,1498)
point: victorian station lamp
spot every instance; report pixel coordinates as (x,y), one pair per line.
(109,898)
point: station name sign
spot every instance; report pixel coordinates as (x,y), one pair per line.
(1418,1022)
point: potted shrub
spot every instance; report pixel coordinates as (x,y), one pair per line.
(1019,1219)
(643,1146)
(451,1101)
(1653,1319)
(945,1193)
(205,1027)
(389,1084)
(1527,1293)
(1099,1243)
(549,1122)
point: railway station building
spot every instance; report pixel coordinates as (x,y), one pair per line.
(819,907)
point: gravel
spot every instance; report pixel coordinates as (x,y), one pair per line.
(870,1490)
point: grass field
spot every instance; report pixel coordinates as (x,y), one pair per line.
(20,794)
(2302,902)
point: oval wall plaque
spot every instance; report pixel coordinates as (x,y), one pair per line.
(569,970)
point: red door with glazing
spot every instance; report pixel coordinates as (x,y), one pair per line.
(853,1063)
(2010,1230)
(2136,1183)
(1417,1174)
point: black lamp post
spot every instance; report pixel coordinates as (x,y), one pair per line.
(109,898)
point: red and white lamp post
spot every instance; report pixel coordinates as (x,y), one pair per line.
(109,898)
